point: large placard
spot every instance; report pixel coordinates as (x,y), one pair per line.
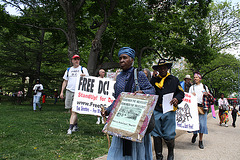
(130,116)
(187,114)
(92,93)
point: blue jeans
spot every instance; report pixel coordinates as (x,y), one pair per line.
(55,100)
(36,100)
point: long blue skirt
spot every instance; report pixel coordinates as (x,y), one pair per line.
(202,124)
(140,151)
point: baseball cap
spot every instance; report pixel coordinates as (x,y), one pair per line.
(75,56)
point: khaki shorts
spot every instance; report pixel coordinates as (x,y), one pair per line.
(69,99)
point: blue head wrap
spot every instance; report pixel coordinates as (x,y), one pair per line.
(127,50)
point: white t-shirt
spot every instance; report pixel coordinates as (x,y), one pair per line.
(198,89)
(222,102)
(71,76)
(40,86)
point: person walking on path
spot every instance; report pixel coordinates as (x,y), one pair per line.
(201,91)
(69,82)
(37,93)
(186,84)
(165,123)
(101,73)
(55,94)
(223,107)
(122,149)
(234,115)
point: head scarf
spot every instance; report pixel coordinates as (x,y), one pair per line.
(198,74)
(127,50)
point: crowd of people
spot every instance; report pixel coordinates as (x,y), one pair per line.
(160,83)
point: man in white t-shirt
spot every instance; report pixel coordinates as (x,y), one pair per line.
(37,93)
(69,82)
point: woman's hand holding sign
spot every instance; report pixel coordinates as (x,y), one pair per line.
(139,91)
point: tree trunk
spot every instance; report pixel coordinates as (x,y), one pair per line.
(30,87)
(39,54)
(71,9)
(96,43)
(72,40)
(95,49)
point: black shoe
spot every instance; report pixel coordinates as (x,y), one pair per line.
(201,145)
(194,138)
(40,109)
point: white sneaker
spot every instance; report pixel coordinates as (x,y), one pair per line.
(69,131)
(103,121)
(75,129)
(98,122)
(226,125)
(205,108)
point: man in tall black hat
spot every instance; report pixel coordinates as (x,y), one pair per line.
(165,123)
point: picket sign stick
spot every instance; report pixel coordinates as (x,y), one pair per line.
(104,119)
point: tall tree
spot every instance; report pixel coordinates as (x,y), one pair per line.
(71,8)
(223,25)
(107,8)
(221,75)
(181,30)
(30,48)
(133,27)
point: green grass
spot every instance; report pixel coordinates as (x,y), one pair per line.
(25,134)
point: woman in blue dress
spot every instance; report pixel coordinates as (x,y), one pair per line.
(122,149)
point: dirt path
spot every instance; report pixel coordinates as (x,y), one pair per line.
(221,143)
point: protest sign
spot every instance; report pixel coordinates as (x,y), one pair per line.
(213,111)
(130,116)
(92,93)
(166,102)
(187,114)
(111,75)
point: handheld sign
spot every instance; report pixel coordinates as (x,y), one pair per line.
(187,114)
(130,116)
(92,93)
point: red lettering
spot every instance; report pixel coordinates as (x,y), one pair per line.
(102,98)
(110,100)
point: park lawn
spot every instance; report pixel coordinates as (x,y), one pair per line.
(25,134)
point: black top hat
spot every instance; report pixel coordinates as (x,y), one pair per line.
(162,62)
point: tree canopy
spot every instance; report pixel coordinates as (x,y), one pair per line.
(42,40)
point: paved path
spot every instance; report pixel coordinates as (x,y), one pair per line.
(221,143)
